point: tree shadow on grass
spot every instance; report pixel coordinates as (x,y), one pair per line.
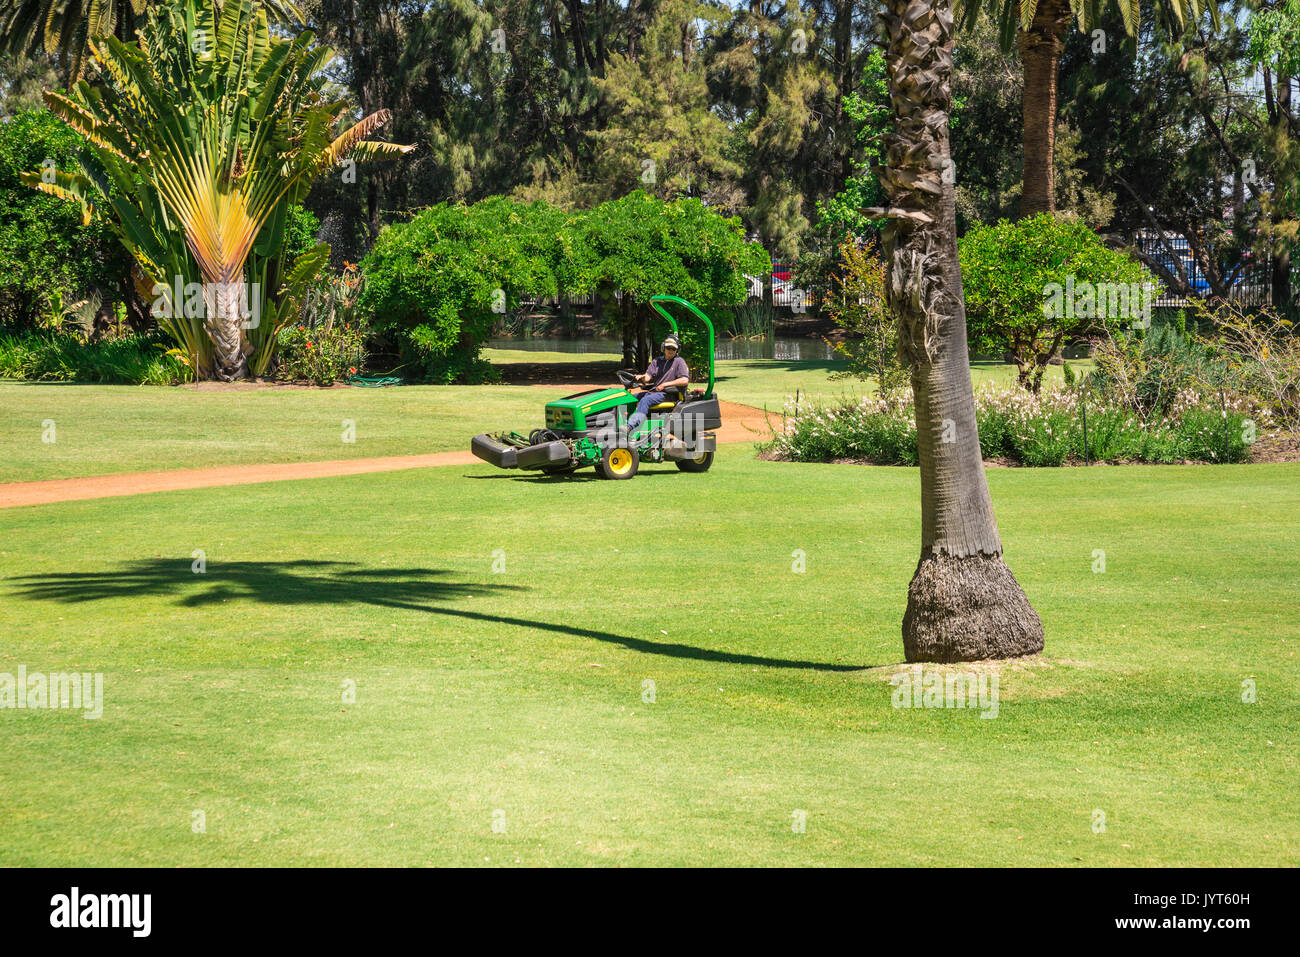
(307,582)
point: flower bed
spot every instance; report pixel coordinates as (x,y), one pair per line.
(1021,428)
(323,355)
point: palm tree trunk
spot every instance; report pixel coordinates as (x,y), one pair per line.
(226,329)
(1040,52)
(963,603)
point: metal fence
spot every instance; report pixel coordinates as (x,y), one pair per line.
(1250,281)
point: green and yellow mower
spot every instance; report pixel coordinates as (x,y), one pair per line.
(589,428)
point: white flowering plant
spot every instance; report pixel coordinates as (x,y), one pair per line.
(1023,428)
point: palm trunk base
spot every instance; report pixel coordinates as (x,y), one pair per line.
(235,370)
(968,609)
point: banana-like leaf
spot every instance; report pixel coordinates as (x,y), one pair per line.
(374,149)
(68,186)
(308,265)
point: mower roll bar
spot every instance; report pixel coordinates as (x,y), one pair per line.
(656,300)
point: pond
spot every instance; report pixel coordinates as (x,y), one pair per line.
(786,348)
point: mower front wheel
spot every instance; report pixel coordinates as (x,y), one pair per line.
(618,463)
(700,463)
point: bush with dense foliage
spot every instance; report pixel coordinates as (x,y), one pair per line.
(1033,284)
(435,284)
(135,359)
(321,355)
(1023,428)
(645,246)
(45,250)
(1145,371)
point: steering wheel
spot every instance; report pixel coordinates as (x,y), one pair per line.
(627,379)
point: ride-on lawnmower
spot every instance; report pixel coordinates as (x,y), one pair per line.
(589,428)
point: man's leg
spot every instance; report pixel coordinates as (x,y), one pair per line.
(642,407)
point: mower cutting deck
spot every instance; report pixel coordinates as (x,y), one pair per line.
(589,428)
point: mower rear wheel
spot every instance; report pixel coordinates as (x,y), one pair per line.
(618,463)
(700,463)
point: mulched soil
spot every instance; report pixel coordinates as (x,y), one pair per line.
(247,385)
(1276,447)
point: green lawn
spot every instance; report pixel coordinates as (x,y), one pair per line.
(106,429)
(522,692)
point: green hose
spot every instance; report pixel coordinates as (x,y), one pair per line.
(373,381)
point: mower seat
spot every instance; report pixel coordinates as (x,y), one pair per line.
(675,396)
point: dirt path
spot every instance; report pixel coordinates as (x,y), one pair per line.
(740,423)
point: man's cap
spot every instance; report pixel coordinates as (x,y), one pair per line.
(672,341)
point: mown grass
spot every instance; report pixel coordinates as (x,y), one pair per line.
(101,430)
(524,691)
(106,429)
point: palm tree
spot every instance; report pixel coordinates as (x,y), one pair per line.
(963,602)
(208,129)
(66,27)
(1037,28)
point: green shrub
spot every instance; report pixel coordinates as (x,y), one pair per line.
(434,285)
(857,303)
(874,430)
(1033,284)
(62,357)
(1146,370)
(44,247)
(323,355)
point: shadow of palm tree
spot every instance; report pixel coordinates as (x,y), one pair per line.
(307,582)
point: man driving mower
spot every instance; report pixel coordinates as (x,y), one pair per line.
(666,371)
